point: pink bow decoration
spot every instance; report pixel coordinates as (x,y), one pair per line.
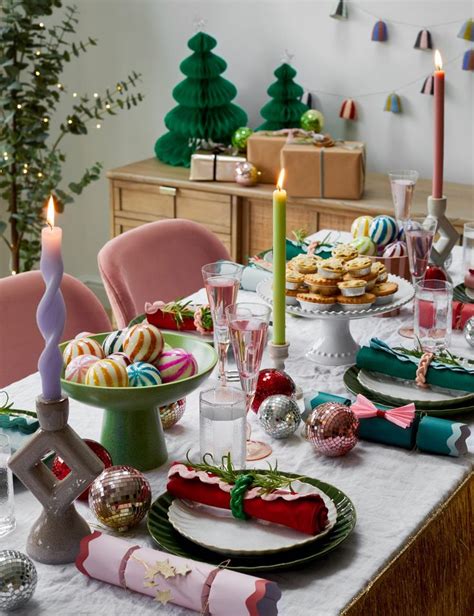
(153,308)
(402,416)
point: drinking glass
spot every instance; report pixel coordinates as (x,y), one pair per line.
(248,325)
(222,413)
(468,258)
(433,314)
(7,515)
(419,235)
(222,282)
(403,184)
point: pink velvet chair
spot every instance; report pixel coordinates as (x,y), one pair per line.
(157,261)
(20,340)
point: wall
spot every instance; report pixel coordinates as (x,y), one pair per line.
(333,56)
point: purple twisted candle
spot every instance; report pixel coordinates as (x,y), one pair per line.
(51,313)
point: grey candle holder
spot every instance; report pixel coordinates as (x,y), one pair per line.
(55,536)
(448,236)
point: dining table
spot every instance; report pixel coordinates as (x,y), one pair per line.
(412,549)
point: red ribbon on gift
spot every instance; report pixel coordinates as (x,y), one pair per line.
(402,416)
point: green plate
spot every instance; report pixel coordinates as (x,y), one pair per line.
(459,294)
(437,409)
(169,539)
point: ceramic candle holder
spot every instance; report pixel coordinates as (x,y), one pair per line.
(55,536)
(448,236)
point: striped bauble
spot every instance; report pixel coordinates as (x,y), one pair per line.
(77,368)
(176,364)
(383,230)
(141,374)
(114,342)
(395,249)
(83,346)
(107,373)
(364,246)
(143,342)
(121,357)
(361,225)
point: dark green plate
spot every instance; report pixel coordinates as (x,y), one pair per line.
(437,409)
(169,539)
(459,294)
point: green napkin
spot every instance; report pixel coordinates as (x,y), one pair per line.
(402,367)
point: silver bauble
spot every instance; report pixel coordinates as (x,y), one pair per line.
(246,174)
(469,331)
(279,415)
(18,579)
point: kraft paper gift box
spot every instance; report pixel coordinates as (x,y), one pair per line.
(336,172)
(263,151)
(214,166)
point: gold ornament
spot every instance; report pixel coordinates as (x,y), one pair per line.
(246,174)
(120,497)
(172,413)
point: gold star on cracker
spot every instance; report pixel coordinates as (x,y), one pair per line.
(182,569)
(163,596)
(165,569)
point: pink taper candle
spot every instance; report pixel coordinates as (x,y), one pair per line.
(51,313)
(437,190)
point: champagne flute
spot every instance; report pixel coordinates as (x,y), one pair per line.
(222,282)
(419,235)
(248,326)
(403,184)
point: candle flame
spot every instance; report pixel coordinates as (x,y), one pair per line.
(281,179)
(438,60)
(50,213)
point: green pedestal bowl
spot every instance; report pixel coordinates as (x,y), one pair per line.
(131,425)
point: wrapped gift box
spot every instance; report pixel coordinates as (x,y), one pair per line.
(214,166)
(263,150)
(336,172)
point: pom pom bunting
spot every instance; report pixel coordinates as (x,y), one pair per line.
(423,40)
(341,11)
(348,110)
(393,103)
(467,30)
(380,32)
(468,60)
(428,85)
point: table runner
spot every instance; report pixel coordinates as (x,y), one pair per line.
(393,490)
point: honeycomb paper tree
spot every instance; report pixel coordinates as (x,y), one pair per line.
(285,109)
(204,112)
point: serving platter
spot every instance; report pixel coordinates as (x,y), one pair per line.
(217,529)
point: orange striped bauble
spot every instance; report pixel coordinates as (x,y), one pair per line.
(83,346)
(143,342)
(107,373)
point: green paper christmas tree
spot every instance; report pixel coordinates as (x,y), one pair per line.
(285,108)
(204,112)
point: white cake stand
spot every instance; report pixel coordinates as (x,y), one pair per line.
(336,346)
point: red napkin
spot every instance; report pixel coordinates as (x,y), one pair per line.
(166,320)
(461,314)
(307,514)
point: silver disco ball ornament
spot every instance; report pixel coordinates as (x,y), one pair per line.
(18,579)
(279,415)
(469,331)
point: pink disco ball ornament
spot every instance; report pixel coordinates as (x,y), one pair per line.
(332,429)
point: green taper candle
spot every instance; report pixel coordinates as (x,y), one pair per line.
(279,261)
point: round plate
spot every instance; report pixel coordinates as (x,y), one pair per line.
(169,539)
(217,529)
(401,297)
(437,409)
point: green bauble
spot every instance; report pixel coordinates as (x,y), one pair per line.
(312,120)
(240,136)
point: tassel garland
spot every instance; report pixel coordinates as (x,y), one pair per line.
(467,30)
(393,103)
(468,60)
(341,11)
(380,32)
(348,110)
(428,85)
(423,40)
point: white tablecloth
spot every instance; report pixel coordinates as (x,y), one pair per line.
(393,490)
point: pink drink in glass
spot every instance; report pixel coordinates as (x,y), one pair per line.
(419,243)
(402,195)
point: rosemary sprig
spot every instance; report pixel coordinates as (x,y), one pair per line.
(179,310)
(443,357)
(267,482)
(6,407)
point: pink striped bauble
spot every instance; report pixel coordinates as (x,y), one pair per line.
(176,364)
(143,342)
(107,373)
(120,357)
(77,368)
(83,346)
(395,249)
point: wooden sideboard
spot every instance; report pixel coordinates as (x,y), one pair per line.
(242,216)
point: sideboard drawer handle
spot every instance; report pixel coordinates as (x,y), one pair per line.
(167,190)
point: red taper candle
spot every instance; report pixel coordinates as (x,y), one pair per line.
(437,190)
